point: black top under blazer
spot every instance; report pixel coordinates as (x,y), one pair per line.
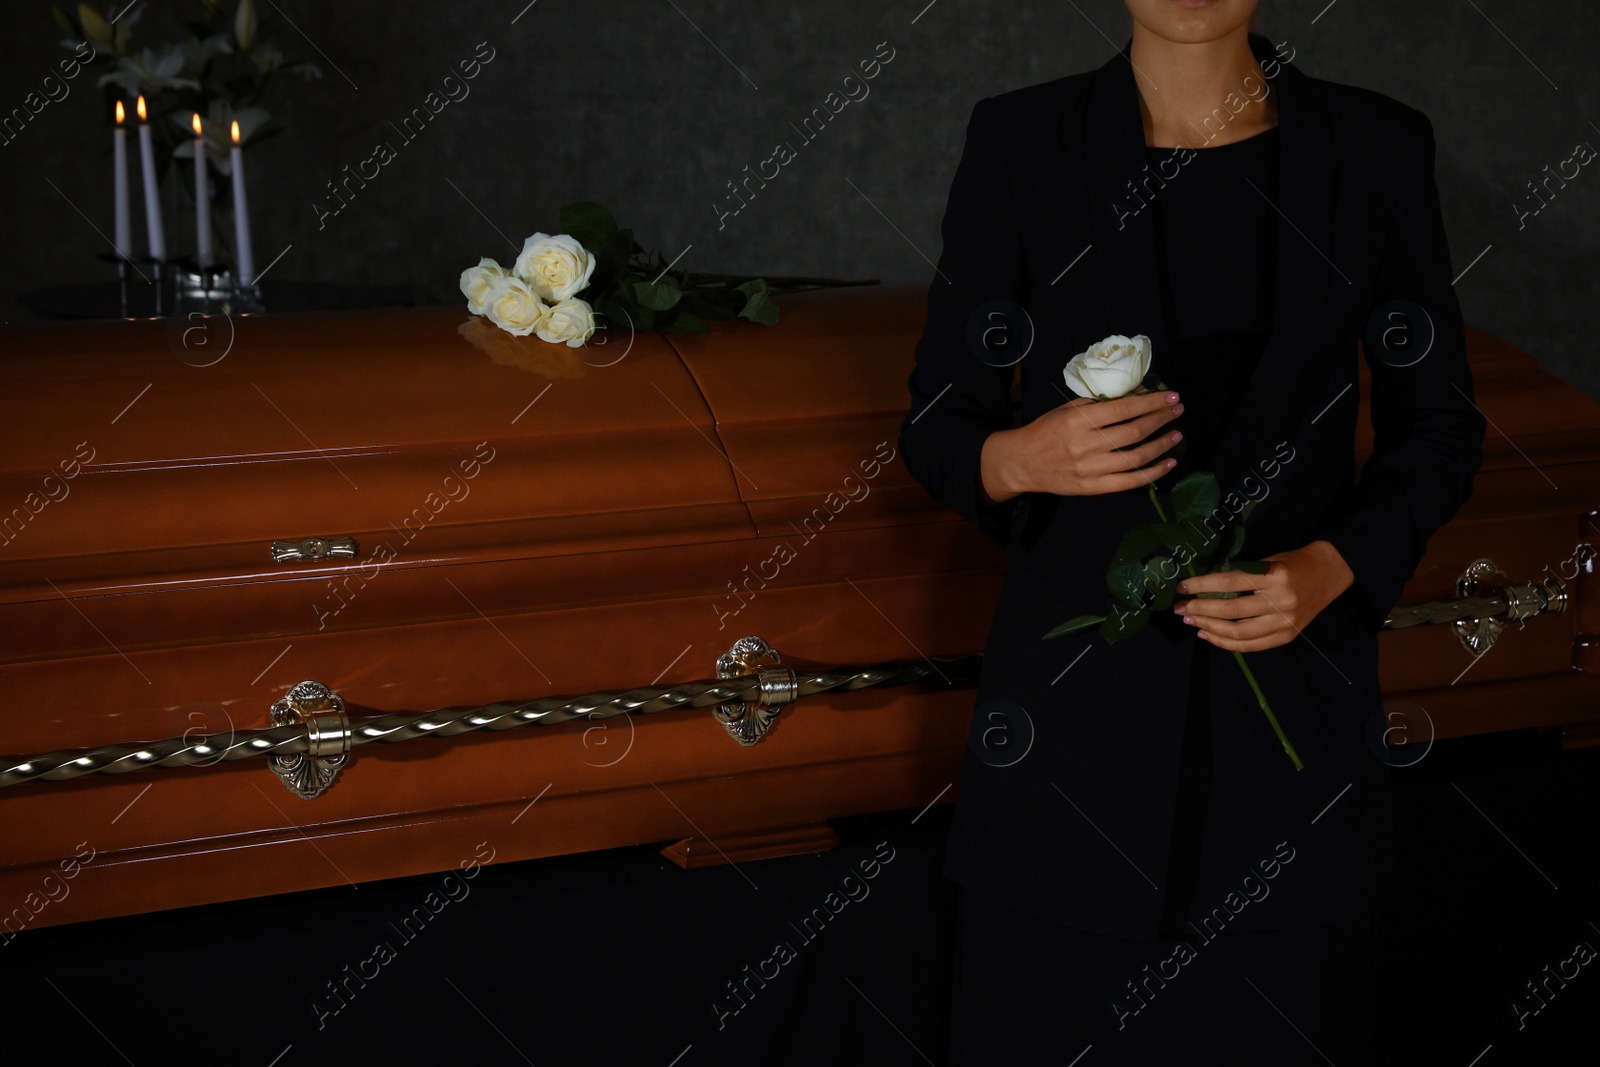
(1043,218)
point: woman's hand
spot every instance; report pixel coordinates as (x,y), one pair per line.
(1277,605)
(1082,448)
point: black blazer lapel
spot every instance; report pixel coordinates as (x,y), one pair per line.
(1296,363)
(1110,152)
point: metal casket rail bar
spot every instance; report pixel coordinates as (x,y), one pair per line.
(312,738)
(747,704)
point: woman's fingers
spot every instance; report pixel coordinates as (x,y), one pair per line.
(1132,479)
(1247,635)
(1085,448)
(1119,461)
(1119,423)
(1246,606)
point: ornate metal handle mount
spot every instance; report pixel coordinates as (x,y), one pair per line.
(1478,615)
(747,723)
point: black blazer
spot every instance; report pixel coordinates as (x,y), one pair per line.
(1044,237)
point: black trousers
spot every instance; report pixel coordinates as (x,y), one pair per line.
(1030,991)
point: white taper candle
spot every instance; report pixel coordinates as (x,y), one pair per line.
(202,198)
(123,228)
(152,198)
(244,253)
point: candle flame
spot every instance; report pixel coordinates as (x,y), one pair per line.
(140,110)
(235,131)
(197,124)
(120,115)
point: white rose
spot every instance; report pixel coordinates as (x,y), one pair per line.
(513,307)
(571,321)
(477,282)
(555,267)
(1109,368)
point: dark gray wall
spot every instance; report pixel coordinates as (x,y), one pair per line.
(631,104)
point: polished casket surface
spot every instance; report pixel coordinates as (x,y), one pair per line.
(533,520)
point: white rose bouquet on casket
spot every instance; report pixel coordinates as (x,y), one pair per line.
(564,286)
(1143,571)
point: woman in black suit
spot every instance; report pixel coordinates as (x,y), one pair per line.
(1143,872)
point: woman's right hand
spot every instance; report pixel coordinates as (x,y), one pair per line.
(1083,448)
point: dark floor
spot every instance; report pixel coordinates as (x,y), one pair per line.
(621,958)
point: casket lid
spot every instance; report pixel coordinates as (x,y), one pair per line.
(172,451)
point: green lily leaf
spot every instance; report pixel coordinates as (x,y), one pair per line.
(1125,624)
(590,225)
(1072,626)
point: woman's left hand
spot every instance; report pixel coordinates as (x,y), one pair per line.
(1276,605)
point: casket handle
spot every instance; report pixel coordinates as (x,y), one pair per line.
(308,774)
(1478,615)
(310,721)
(341,547)
(748,723)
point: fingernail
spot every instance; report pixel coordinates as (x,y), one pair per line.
(1175,438)
(1203,636)
(1188,620)
(1178,410)
(1183,587)
(1172,398)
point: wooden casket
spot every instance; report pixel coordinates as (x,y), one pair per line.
(422,512)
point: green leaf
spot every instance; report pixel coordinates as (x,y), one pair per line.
(1072,626)
(1126,624)
(632,311)
(658,296)
(759,306)
(1139,542)
(1161,576)
(1126,582)
(611,262)
(1192,537)
(1235,541)
(65,22)
(618,315)
(590,224)
(1196,496)
(684,322)
(719,304)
